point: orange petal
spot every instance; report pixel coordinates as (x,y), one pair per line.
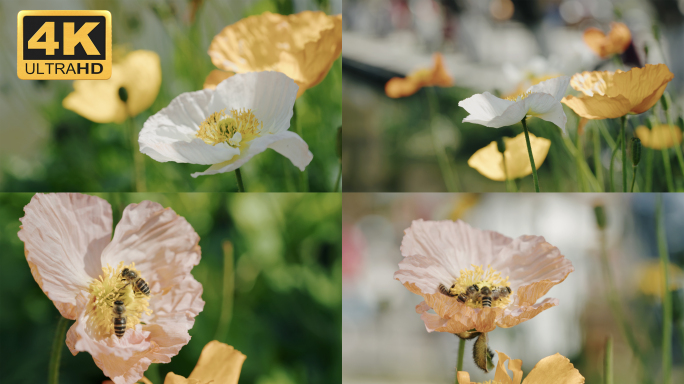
(218,362)
(555,369)
(596,40)
(598,106)
(515,366)
(660,137)
(440,76)
(401,87)
(526,313)
(619,38)
(463,377)
(642,86)
(215,77)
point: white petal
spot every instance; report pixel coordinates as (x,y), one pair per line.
(270,96)
(546,107)
(64,235)
(195,151)
(484,107)
(555,87)
(287,143)
(163,245)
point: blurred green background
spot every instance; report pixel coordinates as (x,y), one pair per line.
(286,303)
(44,147)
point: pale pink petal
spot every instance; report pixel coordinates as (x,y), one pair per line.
(63,237)
(163,245)
(432,321)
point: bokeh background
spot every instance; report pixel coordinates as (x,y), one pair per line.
(44,147)
(283,312)
(385,341)
(488,45)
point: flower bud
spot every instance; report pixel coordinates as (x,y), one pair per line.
(666,101)
(600,214)
(636,151)
(123,94)
(501,145)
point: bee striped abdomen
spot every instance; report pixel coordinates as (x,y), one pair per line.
(486,302)
(142,286)
(445,291)
(120,326)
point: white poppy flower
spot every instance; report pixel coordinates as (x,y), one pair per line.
(225,127)
(541,100)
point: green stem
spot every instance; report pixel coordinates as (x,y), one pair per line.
(338,182)
(238,176)
(228,291)
(304,175)
(588,175)
(56,354)
(606,134)
(508,182)
(612,160)
(623,147)
(677,147)
(608,362)
(579,156)
(461,352)
(668,170)
(667,294)
(448,174)
(634,171)
(597,156)
(529,152)
(649,169)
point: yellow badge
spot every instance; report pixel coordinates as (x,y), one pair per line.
(64,45)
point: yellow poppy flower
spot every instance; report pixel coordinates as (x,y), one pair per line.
(556,369)
(615,42)
(489,161)
(303,46)
(216,76)
(615,94)
(139,73)
(424,77)
(660,137)
(651,280)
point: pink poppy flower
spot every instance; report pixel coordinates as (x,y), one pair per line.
(456,256)
(69,246)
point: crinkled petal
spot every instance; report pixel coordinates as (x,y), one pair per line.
(163,245)
(598,106)
(501,376)
(546,107)
(555,87)
(483,108)
(642,86)
(554,369)
(515,315)
(287,143)
(463,377)
(63,237)
(219,364)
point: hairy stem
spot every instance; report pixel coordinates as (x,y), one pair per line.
(56,354)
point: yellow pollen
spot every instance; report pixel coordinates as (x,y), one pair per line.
(234,129)
(482,278)
(521,96)
(107,289)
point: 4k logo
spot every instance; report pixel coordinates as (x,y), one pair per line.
(64,45)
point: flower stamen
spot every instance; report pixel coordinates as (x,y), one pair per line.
(104,291)
(481,278)
(237,127)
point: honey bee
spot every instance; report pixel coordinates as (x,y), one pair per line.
(139,283)
(119,318)
(500,293)
(470,292)
(485,296)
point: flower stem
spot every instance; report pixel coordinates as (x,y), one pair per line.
(667,294)
(461,352)
(529,151)
(304,175)
(338,182)
(579,156)
(608,362)
(56,354)
(665,101)
(596,135)
(649,170)
(668,170)
(612,160)
(623,147)
(228,291)
(238,176)
(448,174)
(634,172)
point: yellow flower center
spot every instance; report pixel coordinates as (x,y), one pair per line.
(482,278)
(519,97)
(240,126)
(107,289)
